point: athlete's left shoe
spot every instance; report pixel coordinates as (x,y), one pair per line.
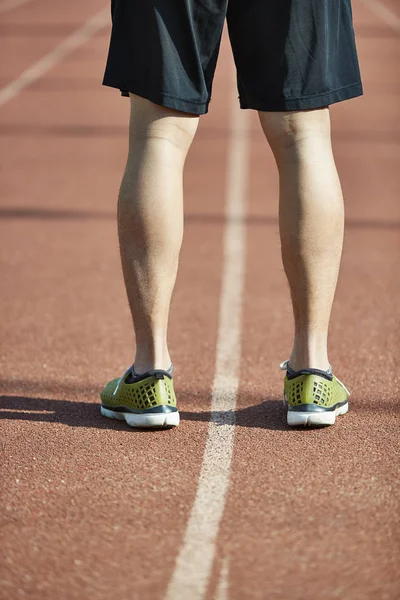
(313,398)
(146,400)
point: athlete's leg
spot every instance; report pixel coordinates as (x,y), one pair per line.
(150,222)
(311,224)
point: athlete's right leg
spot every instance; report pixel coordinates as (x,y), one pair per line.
(294,59)
(311,225)
(150,222)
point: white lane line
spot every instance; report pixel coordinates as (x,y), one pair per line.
(50,60)
(7,5)
(195,560)
(384,13)
(222,592)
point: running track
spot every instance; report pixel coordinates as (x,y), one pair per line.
(232,505)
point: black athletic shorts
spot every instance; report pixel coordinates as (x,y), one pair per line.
(289,54)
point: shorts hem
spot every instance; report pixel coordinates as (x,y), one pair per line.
(306,102)
(165,100)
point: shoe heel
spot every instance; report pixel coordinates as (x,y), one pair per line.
(303,419)
(315,419)
(146,420)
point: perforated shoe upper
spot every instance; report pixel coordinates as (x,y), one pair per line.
(148,392)
(313,387)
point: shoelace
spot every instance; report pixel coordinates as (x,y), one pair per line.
(121,379)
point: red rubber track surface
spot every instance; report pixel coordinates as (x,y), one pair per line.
(93,509)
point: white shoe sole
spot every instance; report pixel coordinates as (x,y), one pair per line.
(318,419)
(145,420)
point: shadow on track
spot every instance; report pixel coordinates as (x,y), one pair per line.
(267,415)
(44,214)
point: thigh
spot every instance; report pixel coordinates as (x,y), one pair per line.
(166,50)
(293,54)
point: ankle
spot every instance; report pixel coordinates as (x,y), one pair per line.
(309,356)
(298,364)
(149,362)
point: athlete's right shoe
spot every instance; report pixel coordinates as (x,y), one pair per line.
(146,400)
(313,398)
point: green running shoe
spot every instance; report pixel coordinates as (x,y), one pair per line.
(146,400)
(313,398)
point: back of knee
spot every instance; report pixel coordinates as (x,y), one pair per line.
(150,122)
(289,131)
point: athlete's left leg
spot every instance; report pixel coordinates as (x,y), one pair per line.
(150,222)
